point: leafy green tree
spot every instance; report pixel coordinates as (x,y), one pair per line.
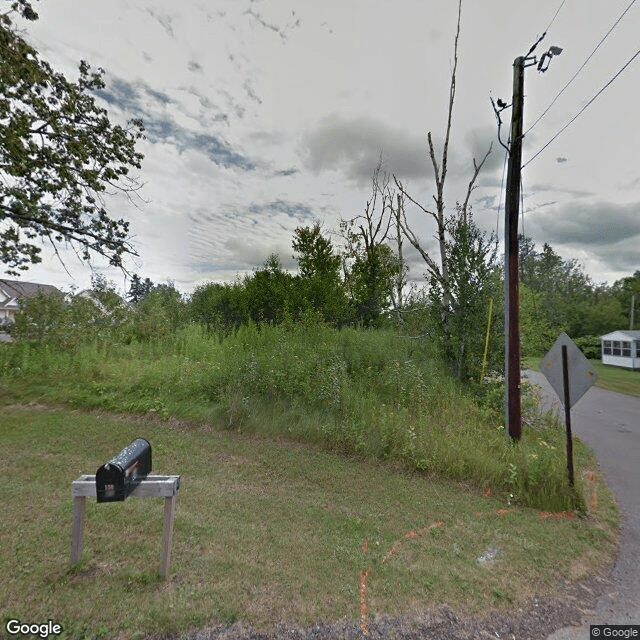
(624,291)
(105,294)
(150,318)
(170,300)
(269,292)
(267,295)
(161,300)
(65,322)
(536,333)
(139,288)
(41,318)
(319,281)
(221,307)
(374,274)
(603,312)
(372,281)
(315,255)
(460,303)
(561,286)
(565,297)
(590,346)
(59,153)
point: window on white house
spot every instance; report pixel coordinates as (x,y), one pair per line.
(616,348)
(606,347)
(626,349)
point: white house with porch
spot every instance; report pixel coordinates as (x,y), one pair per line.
(621,349)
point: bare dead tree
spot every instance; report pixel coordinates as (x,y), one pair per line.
(397,213)
(459,242)
(366,236)
(372,226)
(440,174)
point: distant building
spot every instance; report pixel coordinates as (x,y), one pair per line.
(621,349)
(12,291)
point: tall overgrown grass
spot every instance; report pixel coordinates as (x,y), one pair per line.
(369,393)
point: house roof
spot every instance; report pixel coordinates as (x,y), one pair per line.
(12,290)
(633,335)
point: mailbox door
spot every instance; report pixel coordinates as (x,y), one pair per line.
(110,483)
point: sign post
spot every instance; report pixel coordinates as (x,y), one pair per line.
(571,376)
(567,412)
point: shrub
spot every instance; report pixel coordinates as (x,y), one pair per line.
(65,323)
(590,346)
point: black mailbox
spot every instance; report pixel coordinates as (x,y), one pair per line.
(116,479)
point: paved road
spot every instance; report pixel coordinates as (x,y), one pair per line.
(609,423)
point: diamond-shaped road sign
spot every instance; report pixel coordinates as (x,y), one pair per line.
(581,374)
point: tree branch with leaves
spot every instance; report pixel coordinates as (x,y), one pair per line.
(59,156)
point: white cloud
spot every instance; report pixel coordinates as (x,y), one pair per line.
(261,115)
(354,146)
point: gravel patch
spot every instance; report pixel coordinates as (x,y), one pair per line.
(541,618)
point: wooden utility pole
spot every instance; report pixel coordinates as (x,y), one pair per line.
(633,312)
(511,303)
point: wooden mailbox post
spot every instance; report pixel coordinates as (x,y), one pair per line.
(152,486)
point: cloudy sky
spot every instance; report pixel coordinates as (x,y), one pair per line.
(265,115)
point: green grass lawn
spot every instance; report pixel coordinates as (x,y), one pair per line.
(611,378)
(266,530)
(617,379)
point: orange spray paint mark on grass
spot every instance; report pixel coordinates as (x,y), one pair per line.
(392,550)
(364,610)
(364,575)
(414,533)
(594,493)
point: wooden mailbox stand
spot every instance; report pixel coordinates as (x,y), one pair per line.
(152,486)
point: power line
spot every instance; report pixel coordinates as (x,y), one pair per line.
(555,16)
(544,33)
(575,75)
(635,55)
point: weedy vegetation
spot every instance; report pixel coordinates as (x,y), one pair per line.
(369,393)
